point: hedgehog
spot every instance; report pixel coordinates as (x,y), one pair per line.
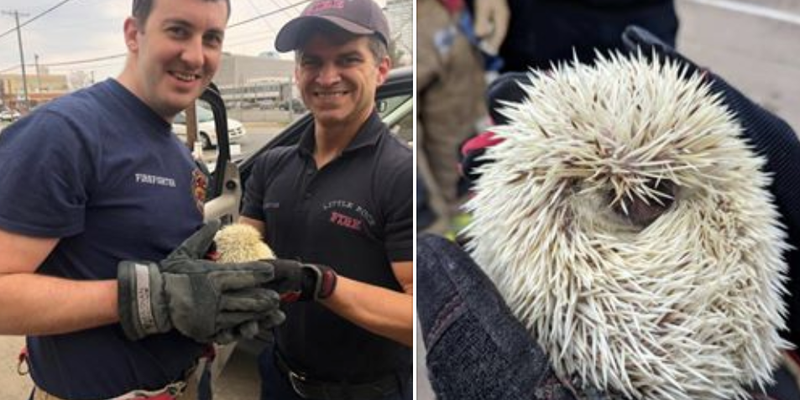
(241,243)
(630,229)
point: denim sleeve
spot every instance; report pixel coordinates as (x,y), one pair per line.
(46,174)
(476,348)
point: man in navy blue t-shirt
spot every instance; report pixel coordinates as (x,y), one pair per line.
(97,178)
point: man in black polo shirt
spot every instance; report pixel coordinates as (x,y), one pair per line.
(343,198)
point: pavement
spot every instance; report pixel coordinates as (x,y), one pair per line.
(752,44)
(12,385)
(238,381)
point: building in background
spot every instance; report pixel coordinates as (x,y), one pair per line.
(247,81)
(41,89)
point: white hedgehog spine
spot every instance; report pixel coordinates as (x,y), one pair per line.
(650,313)
(241,243)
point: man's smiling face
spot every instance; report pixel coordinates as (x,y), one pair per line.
(177,51)
(337,75)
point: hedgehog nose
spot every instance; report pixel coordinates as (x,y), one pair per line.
(642,213)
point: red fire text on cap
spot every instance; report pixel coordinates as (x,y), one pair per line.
(324,5)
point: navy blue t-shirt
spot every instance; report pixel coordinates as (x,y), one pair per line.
(103,172)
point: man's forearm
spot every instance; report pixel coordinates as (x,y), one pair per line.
(32,304)
(379,310)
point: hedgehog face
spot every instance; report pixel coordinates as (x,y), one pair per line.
(623,213)
(629,228)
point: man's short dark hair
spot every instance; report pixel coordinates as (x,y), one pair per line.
(378,48)
(141,9)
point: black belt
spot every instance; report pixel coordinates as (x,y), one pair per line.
(310,388)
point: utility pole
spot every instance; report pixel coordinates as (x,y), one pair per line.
(21,56)
(38,75)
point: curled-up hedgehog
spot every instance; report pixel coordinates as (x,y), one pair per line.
(630,229)
(241,243)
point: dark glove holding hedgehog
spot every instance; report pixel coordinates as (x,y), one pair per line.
(294,281)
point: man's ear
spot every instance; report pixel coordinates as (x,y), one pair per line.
(383,69)
(131,34)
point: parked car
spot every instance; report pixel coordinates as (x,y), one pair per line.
(395,105)
(9,116)
(296,104)
(266,104)
(206,131)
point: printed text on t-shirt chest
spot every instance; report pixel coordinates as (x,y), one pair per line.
(148,179)
(347,214)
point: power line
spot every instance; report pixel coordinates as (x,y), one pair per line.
(41,14)
(9,69)
(102,58)
(85,61)
(257,17)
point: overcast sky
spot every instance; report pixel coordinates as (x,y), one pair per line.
(87,29)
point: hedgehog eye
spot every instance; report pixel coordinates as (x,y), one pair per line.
(642,213)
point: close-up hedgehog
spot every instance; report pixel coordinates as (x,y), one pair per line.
(241,243)
(629,228)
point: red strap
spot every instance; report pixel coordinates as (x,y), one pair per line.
(210,352)
(290,297)
(482,141)
(22,358)
(453,6)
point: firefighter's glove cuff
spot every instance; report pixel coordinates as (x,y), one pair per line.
(297,281)
(207,302)
(141,300)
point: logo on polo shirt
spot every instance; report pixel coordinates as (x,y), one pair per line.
(348,215)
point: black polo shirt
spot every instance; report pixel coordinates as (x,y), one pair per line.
(355,215)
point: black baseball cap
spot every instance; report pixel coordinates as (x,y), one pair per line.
(359,17)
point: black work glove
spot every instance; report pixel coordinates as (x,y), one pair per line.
(296,281)
(204,300)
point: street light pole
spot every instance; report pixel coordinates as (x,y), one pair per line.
(21,56)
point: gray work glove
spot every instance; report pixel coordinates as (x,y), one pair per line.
(296,281)
(204,300)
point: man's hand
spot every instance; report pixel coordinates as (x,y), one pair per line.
(202,299)
(296,281)
(491,23)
